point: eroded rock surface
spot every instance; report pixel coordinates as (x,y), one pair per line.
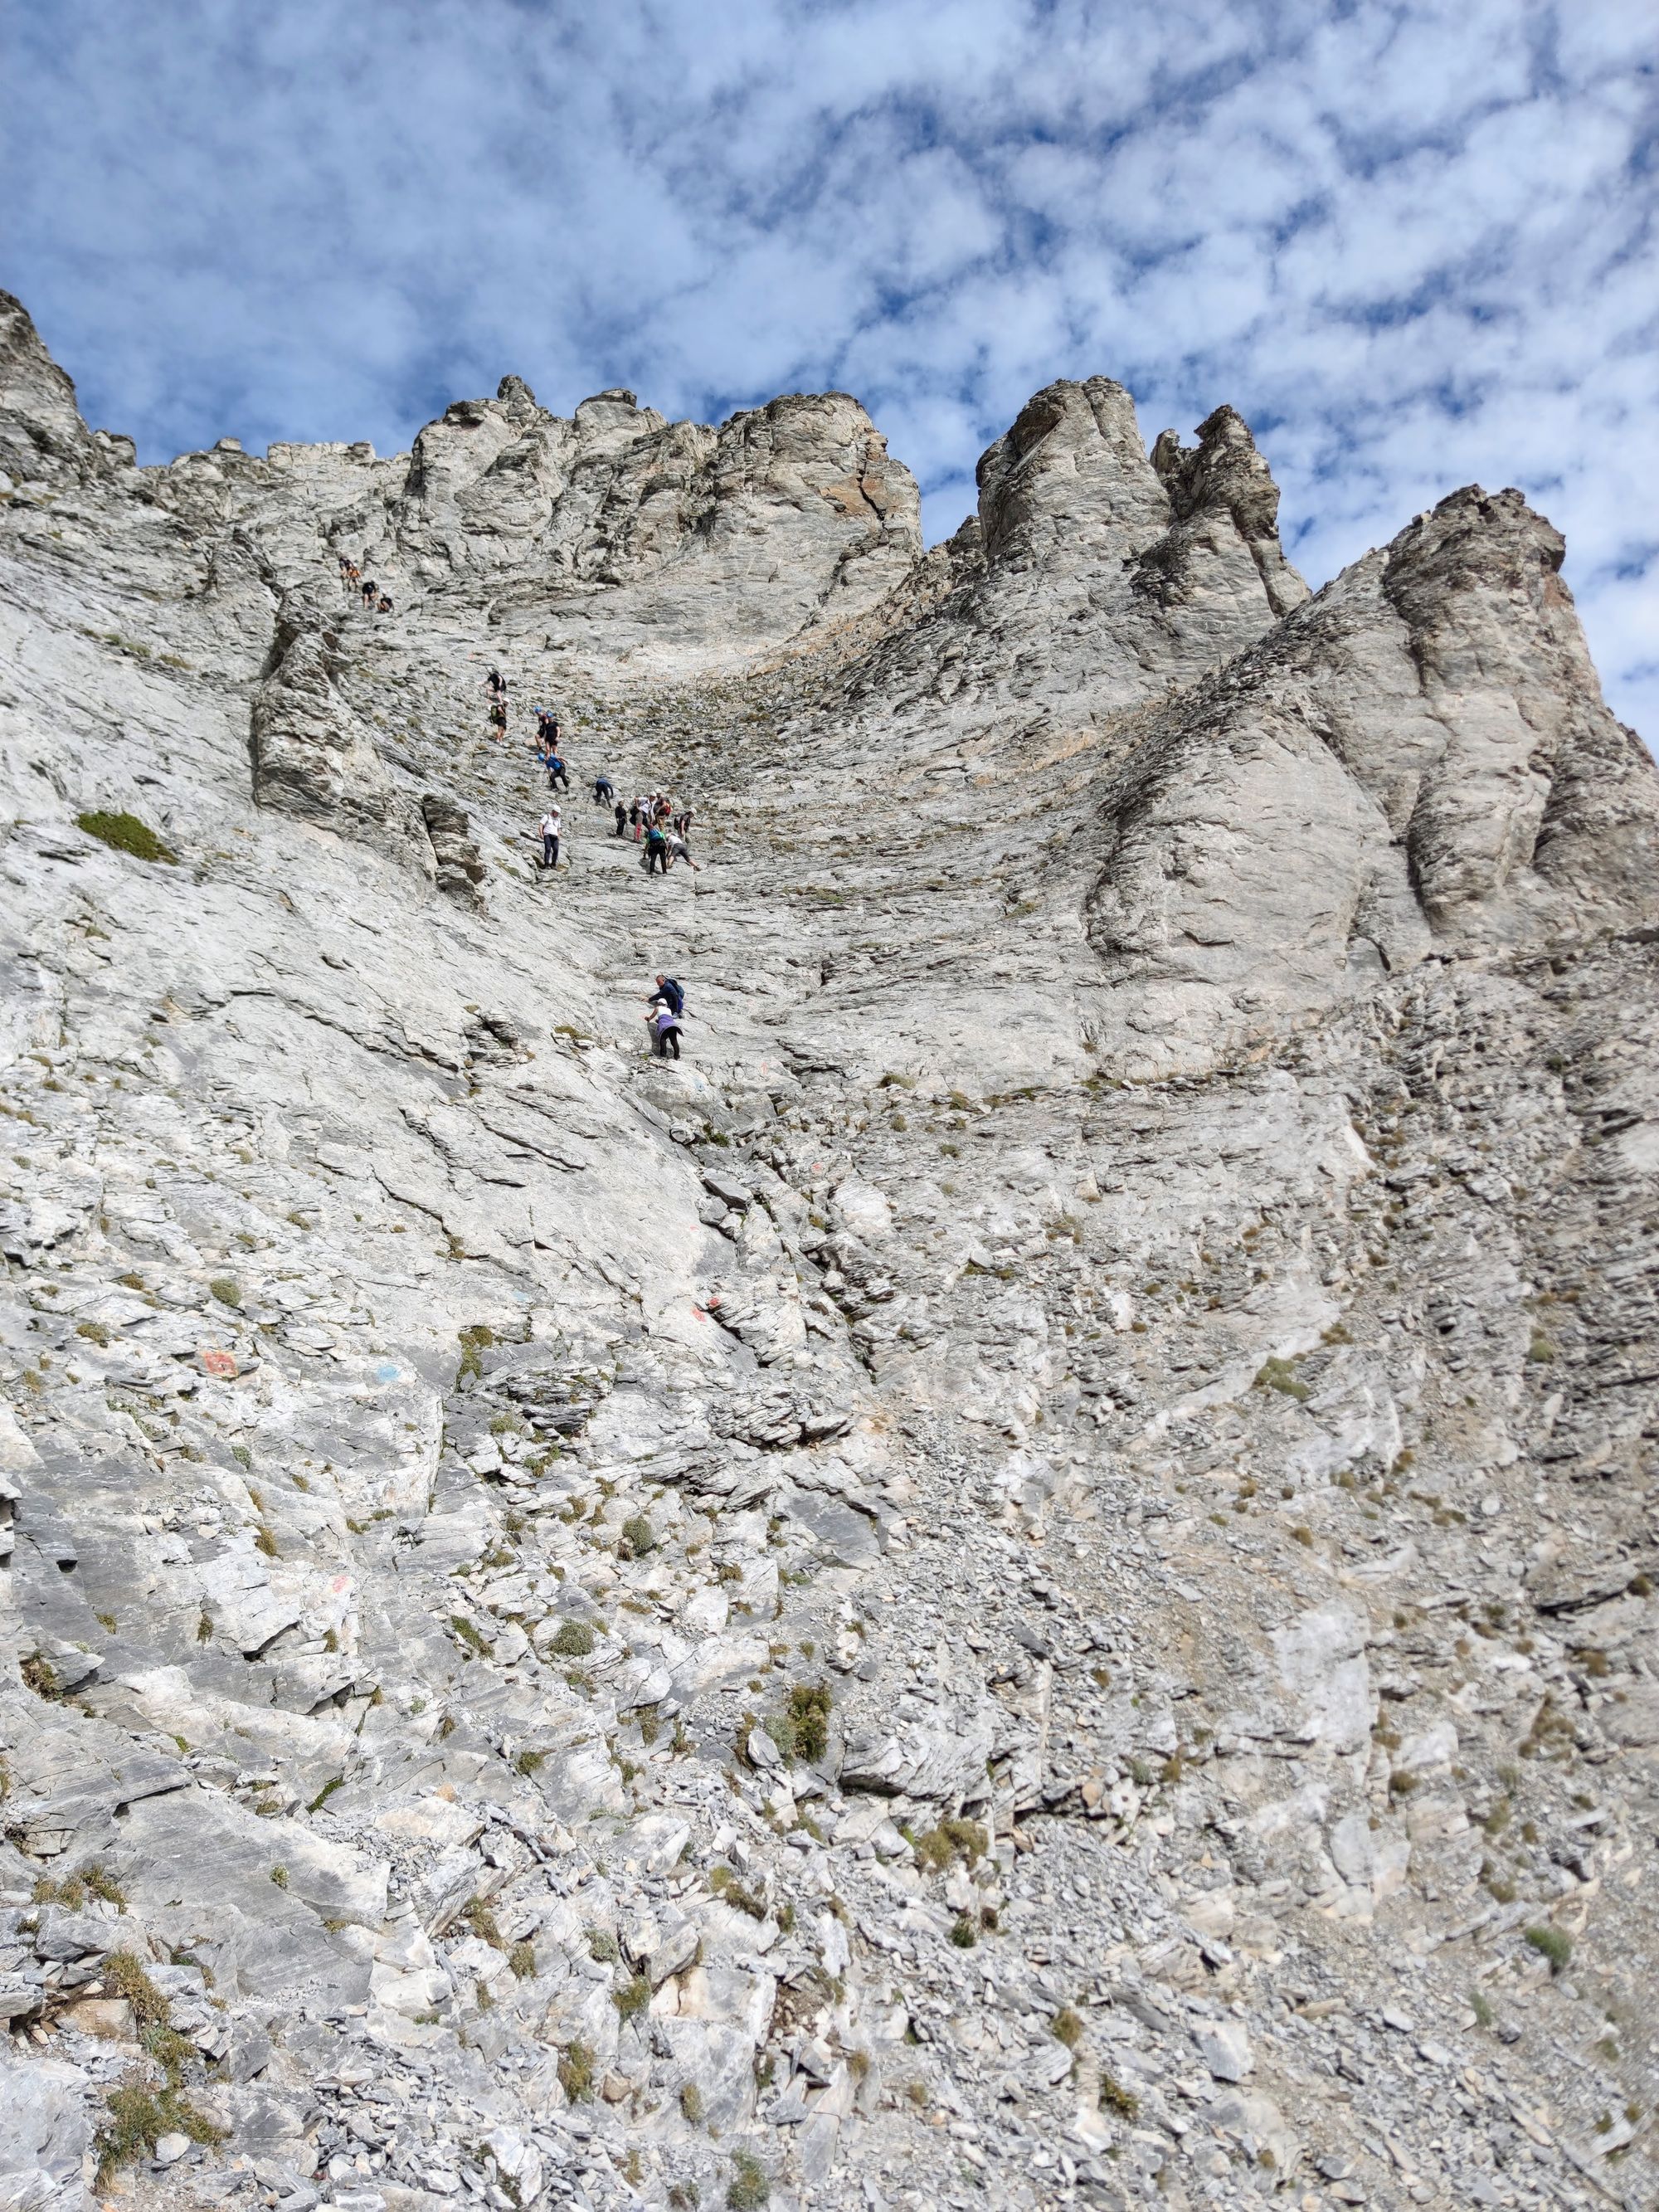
(1027,1580)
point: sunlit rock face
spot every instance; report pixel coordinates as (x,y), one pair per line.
(1025,1578)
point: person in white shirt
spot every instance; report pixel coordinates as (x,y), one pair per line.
(549,826)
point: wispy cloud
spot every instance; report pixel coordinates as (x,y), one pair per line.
(1412,243)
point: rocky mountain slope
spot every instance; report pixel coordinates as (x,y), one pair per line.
(1028,1580)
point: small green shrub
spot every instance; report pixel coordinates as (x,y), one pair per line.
(1279,1375)
(692,2103)
(75,1888)
(750,2186)
(124,1972)
(801,1730)
(964,1933)
(574,1640)
(227,1289)
(138,2117)
(125,833)
(576,2071)
(1551,1943)
(726,1886)
(522,1959)
(639,1535)
(940,1847)
(481,1919)
(633,1998)
(1117,2098)
(475,1342)
(468,1634)
(1067,2027)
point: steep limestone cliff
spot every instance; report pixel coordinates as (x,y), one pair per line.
(1028,1579)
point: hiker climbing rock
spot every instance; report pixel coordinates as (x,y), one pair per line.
(663,1011)
(664,1024)
(548,828)
(655,857)
(604,791)
(557,772)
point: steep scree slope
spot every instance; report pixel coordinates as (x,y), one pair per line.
(1028,1580)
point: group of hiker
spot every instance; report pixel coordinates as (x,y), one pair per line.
(662,835)
(662,831)
(352,578)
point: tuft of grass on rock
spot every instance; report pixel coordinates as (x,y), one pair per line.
(939,1848)
(1551,1943)
(750,2186)
(633,1998)
(1117,2098)
(475,1342)
(125,833)
(576,2070)
(1280,1374)
(138,2117)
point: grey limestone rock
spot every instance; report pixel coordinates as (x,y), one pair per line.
(1029,1577)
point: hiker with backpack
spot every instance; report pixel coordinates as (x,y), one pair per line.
(655,857)
(663,1011)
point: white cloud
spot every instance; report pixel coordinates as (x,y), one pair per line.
(1413,242)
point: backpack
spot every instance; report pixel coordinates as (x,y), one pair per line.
(675,993)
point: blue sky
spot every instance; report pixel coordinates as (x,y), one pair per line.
(1412,240)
